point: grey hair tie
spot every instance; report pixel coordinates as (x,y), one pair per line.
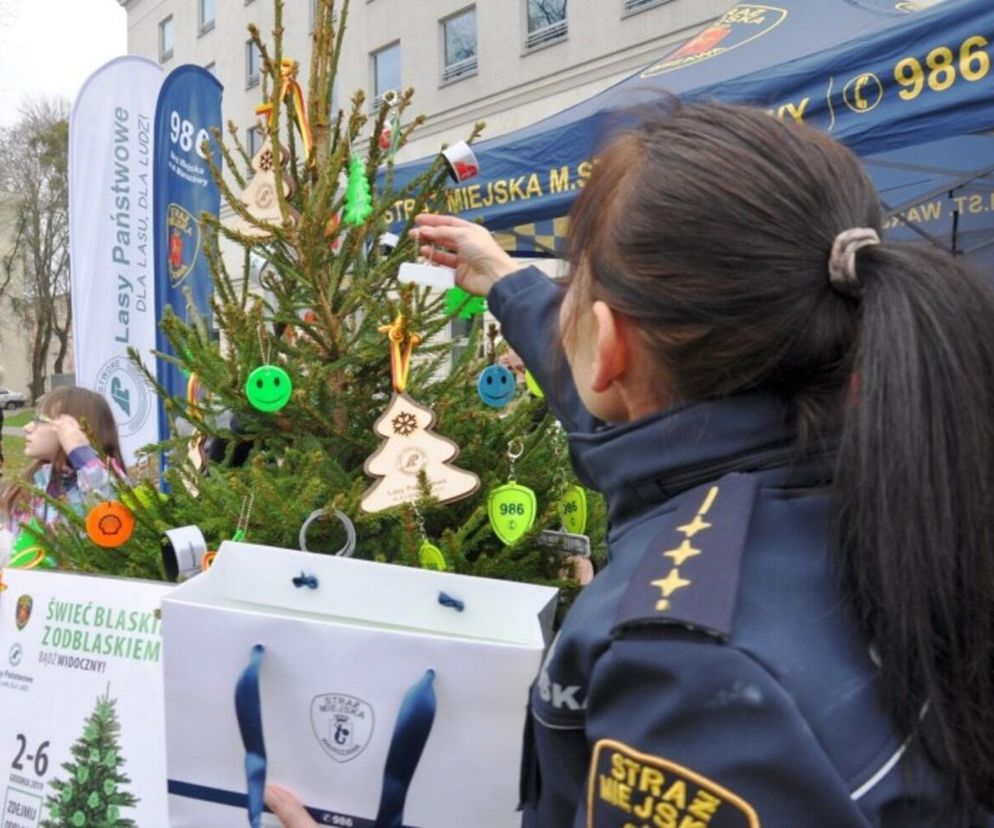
(842,262)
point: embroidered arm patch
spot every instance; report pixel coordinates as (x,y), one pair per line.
(629,789)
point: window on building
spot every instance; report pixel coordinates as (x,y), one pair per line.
(386,72)
(639,5)
(253,61)
(165,39)
(546,22)
(253,140)
(459,35)
(206,15)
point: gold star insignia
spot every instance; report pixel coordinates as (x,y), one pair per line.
(681,553)
(668,585)
(696,525)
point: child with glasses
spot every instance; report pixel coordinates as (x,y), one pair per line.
(67,466)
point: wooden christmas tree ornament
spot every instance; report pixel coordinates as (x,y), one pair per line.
(410,446)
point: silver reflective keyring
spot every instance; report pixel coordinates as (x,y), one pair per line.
(349,547)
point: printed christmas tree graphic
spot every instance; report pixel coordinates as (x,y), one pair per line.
(93,793)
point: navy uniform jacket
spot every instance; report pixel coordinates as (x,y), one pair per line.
(712,674)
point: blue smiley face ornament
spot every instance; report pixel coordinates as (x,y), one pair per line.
(268,388)
(496,386)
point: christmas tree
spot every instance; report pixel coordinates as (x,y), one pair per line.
(314,321)
(93,793)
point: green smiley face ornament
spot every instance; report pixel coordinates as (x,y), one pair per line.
(268,388)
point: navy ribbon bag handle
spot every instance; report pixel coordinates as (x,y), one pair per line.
(410,734)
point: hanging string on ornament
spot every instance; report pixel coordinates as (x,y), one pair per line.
(243,518)
(512,508)
(429,555)
(430,275)
(268,387)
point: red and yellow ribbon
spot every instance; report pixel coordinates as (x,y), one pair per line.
(196,394)
(402,344)
(289,86)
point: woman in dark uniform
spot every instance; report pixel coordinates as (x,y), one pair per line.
(790,418)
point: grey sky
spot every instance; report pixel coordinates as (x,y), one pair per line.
(49,47)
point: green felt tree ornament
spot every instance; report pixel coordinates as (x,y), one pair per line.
(358,200)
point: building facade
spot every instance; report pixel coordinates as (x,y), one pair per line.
(509,63)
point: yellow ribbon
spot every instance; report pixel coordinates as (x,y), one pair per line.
(289,86)
(402,344)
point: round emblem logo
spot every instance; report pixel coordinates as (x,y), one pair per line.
(412,460)
(129,395)
(343,725)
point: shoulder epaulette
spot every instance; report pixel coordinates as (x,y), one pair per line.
(689,574)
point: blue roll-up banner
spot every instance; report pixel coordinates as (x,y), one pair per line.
(189,107)
(877,74)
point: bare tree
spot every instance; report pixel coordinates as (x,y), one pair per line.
(35,170)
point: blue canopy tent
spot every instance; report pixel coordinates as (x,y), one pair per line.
(942,191)
(879,75)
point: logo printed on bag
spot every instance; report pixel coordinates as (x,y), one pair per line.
(342,724)
(23,612)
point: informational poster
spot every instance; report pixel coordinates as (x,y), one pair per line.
(82,739)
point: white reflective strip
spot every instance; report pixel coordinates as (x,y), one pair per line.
(551,726)
(875,780)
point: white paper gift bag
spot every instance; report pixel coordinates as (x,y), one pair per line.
(382,695)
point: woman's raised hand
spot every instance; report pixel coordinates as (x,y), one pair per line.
(469,248)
